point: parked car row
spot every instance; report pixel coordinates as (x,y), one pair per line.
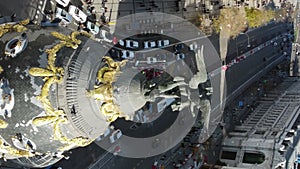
(85,22)
(133,44)
(74,11)
(153,44)
(129,44)
(121,54)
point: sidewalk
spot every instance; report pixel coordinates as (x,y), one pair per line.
(108,9)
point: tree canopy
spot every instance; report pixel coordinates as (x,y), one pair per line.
(231,20)
(236,20)
(256,17)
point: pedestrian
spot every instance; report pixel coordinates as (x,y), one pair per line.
(19,137)
(13,16)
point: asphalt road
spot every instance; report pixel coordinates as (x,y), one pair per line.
(241,72)
(256,37)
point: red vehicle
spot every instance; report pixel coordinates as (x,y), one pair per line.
(224,67)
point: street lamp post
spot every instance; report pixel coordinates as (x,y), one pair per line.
(248,39)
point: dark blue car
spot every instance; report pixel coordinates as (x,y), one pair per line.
(47,23)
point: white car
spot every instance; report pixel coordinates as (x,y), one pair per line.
(121,42)
(132,44)
(93,28)
(126,54)
(106,133)
(151,60)
(63,3)
(162,43)
(63,15)
(148,44)
(77,14)
(115,136)
(193,46)
(106,36)
(180,56)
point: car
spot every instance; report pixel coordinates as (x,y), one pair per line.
(94,29)
(115,136)
(162,43)
(92,18)
(180,56)
(48,12)
(106,35)
(63,15)
(289,136)
(230,64)
(114,53)
(126,54)
(151,60)
(224,67)
(47,23)
(63,3)
(282,148)
(292,131)
(16,45)
(240,58)
(132,44)
(106,133)
(193,46)
(77,14)
(187,139)
(149,44)
(178,47)
(121,42)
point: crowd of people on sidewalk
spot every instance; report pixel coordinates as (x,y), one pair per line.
(91,10)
